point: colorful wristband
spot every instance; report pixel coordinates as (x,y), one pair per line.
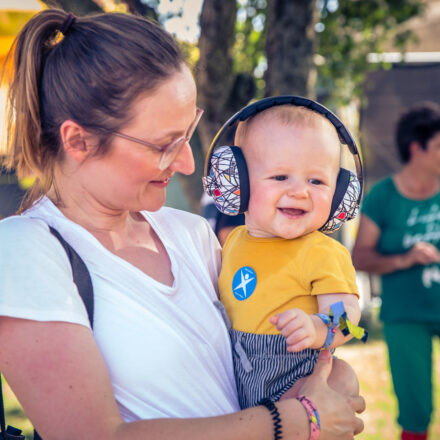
(331,330)
(277,431)
(337,318)
(312,415)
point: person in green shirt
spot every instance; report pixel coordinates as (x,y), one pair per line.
(399,239)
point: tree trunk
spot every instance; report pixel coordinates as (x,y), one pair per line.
(137,7)
(78,7)
(214,72)
(215,82)
(290,46)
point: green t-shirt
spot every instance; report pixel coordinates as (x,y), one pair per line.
(412,294)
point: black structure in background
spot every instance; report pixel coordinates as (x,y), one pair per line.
(388,93)
(11,194)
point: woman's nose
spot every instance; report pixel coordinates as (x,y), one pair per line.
(184,161)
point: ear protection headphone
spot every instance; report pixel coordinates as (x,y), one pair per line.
(226,177)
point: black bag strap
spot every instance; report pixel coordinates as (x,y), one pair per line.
(2,410)
(81,277)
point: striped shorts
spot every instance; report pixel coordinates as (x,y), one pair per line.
(262,365)
(264,368)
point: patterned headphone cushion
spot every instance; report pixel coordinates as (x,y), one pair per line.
(348,207)
(222,182)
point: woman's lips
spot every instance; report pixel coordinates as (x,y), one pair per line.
(160,183)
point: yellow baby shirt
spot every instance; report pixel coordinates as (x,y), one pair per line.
(264,276)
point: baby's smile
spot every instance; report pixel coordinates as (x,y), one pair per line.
(292,212)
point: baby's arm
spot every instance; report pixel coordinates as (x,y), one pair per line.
(351,306)
(302,330)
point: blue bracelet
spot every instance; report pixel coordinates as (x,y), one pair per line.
(332,326)
(337,318)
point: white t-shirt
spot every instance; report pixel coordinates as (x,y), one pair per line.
(166,348)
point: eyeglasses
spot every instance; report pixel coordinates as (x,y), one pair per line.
(170,151)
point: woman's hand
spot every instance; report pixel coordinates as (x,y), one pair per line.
(336,412)
(422,253)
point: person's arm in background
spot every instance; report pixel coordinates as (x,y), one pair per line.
(367,258)
(61,380)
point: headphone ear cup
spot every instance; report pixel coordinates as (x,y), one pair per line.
(227,181)
(345,203)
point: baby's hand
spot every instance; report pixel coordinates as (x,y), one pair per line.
(297,327)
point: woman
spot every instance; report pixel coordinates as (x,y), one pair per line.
(399,239)
(103,117)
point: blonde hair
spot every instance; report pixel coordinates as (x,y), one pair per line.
(286,114)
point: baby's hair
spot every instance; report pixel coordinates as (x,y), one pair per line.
(286,114)
(91,75)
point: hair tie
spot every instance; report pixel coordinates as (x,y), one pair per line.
(67,23)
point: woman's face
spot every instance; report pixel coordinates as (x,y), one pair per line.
(432,155)
(128,177)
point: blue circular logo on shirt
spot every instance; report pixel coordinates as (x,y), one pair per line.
(244,282)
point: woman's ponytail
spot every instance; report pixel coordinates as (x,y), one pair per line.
(26,152)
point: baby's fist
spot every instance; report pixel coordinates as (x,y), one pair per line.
(297,327)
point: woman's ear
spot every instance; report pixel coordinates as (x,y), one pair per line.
(74,139)
(415,148)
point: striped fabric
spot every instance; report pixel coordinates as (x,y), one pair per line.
(264,368)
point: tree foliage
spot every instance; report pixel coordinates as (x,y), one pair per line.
(78,7)
(254,48)
(341,32)
(348,31)
(290,47)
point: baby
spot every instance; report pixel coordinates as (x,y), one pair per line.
(280,275)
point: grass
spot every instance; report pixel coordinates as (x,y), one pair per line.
(370,363)
(14,413)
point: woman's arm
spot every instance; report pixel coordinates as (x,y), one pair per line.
(366,257)
(61,380)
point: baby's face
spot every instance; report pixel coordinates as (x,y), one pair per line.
(292,172)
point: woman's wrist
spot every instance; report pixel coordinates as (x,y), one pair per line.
(402,261)
(277,424)
(294,419)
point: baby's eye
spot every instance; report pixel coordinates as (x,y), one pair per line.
(279,178)
(316,181)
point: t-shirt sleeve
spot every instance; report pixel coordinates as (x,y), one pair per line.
(374,205)
(328,269)
(35,274)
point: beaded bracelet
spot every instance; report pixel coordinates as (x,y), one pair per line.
(313,416)
(277,431)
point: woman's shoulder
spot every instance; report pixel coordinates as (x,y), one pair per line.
(21,228)
(382,186)
(27,238)
(33,261)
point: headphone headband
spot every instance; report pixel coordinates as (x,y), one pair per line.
(298,101)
